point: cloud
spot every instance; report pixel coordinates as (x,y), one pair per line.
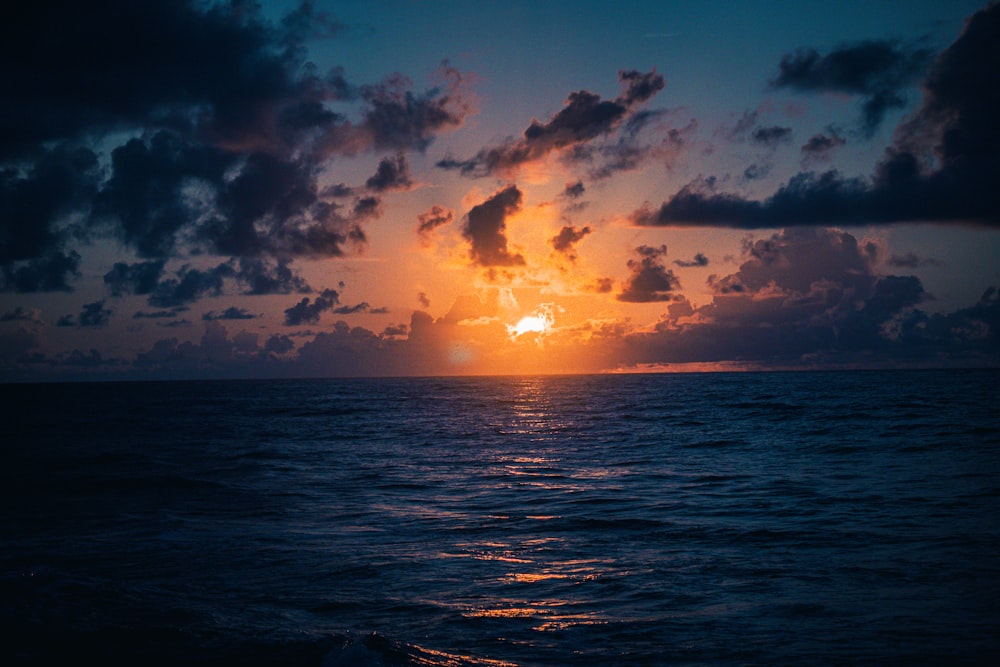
(649,280)
(397,118)
(246,77)
(485,228)
(231,313)
(629,151)
(227,132)
(392,174)
(308,311)
(21,314)
(138,278)
(433,218)
(800,296)
(189,285)
(878,71)
(43,274)
(771,136)
(367,208)
(277,344)
(959,183)
(574,190)
(158,314)
(163,190)
(395,330)
(214,355)
(565,241)
(262,277)
(819,147)
(93,315)
(699,260)
(362,307)
(583,118)
(258,277)
(39,202)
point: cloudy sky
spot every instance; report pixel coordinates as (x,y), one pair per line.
(199,189)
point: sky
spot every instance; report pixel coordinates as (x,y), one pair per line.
(390,188)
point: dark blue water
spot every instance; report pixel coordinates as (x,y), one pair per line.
(713,519)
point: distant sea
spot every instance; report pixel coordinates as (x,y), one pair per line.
(827,518)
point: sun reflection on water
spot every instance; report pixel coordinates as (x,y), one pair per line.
(528,588)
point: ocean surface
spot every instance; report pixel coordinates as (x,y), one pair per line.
(827,518)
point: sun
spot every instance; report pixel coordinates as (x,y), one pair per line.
(530,323)
(539,322)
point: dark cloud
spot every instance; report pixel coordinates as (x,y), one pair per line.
(959,182)
(235,79)
(230,127)
(231,313)
(771,136)
(138,278)
(39,203)
(748,128)
(757,170)
(807,199)
(308,311)
(44,274)
(362,307)
(803,294)
(142,202)
(158,314)
(93,315)
(111,65)
(214,355)
(396,330)
(649,280)
(423,300)
(820,147)
(574,190)
(565,241)
(584,117)
(397,118)
(20,314)
(272,207)
(277,344)
(876,70)
(189,285)
(163,192)
(699,260)
(969,335)
(338,191)
(263,277)
(485,228)
(629,151)
(433,218)
(367,208)
(392,174)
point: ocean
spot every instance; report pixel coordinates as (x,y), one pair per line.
(796,518)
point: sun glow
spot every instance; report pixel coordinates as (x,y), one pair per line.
(539,322)
(531,323)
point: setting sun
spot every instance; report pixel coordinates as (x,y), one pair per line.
(529,324)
